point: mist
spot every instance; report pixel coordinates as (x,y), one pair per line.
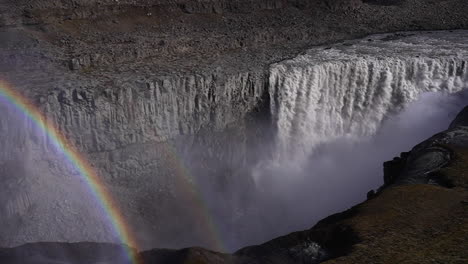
(247,205)
(293,196)
(46,198)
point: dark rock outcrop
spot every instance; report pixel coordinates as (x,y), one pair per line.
(461,119)
(422,164)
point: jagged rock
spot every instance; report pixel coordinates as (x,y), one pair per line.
(423,163)
(393,168)
(461,119)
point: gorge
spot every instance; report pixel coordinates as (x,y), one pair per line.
(211,125)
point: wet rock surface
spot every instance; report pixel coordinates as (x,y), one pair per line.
(461,119)
(423,162)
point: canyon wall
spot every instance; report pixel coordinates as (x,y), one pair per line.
(159,93)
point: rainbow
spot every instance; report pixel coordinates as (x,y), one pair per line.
(182,176)
(192,193)
(78,161)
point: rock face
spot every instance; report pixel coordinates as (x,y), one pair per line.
(162,92)
(424,163)
(406,221)
(460,120)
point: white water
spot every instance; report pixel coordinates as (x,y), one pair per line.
(341,111)
(348,91)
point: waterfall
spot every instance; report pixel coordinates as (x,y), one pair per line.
(333,93)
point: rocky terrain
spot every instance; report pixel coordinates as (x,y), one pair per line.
(148,90)
(418,216)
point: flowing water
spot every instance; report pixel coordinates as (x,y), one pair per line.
(340,111)
(337,113)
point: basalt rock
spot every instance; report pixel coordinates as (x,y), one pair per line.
(424,162)
(460,120)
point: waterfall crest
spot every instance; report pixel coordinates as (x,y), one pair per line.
(349,90)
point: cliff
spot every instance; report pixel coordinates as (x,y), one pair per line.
(147,90)
(419,216)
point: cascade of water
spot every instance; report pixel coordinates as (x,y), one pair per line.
(315,102)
